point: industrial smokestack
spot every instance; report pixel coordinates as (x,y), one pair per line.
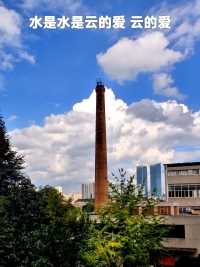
(101,177)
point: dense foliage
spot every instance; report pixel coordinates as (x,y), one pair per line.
(11,165)
(120,237)
(40,229)
(37,227)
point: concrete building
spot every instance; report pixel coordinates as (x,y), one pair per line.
(88,191)
(183,183)
(73,196)
(179,183)
(182,207)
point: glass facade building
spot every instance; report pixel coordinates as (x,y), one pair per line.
(152,178)
(142,177)
(157,180)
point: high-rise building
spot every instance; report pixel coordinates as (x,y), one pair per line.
(157,180)
(88,191)
(101,179)
(143,178)
(152,179)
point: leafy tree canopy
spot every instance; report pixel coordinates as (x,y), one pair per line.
(37,227)
(119,237)
(11,165)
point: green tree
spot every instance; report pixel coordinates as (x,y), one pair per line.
(119,236)
(62,236)
(89,206)
(17,202)
(40,229)
(11,165)
(20,215)
(37,227)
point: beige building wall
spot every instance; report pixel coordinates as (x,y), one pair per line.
(192,233)
(182,179)
(191,222)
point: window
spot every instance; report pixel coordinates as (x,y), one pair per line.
(193,172)
(190,210)
(184,172)
(174,231)
(184,190)
(163,210)
(185,210)
(172,173)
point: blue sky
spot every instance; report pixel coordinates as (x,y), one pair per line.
(48,71)
(66,67)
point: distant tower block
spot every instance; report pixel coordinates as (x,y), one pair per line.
(101,178)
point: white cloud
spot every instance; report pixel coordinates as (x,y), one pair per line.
(61,151)
(128,57)
(164,85)
(185,30)
(12,118)
(10,24)
(63,5)
(11,39)
(155,52)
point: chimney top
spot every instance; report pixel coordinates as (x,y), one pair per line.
(100,86)
(99,82)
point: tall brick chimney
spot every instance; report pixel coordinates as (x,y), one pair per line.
(101,179)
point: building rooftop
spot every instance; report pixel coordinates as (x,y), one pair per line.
(182,164)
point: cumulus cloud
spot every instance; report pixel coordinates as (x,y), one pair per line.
(61,151)
(163,84)
(128,57)
(155,52)
(11,41)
